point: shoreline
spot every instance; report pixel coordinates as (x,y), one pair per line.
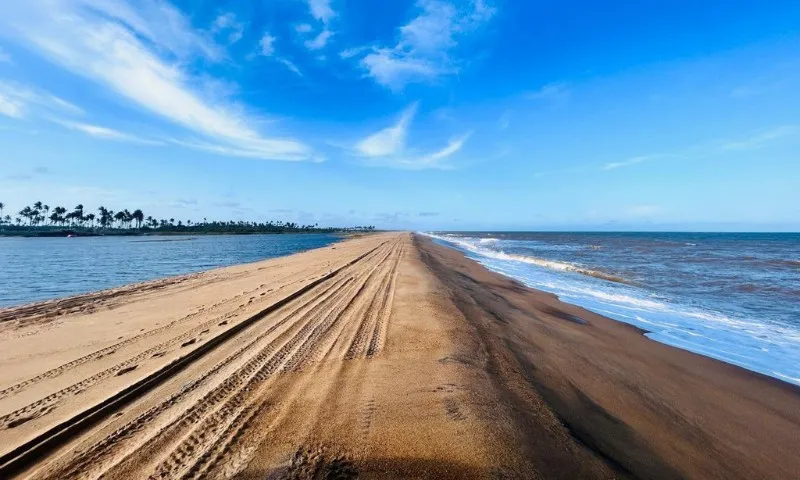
(736,330)
(154,276)
(389,356)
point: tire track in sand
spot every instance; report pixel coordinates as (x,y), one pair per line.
(25,454)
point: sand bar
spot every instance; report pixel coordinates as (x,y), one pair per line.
(385,356)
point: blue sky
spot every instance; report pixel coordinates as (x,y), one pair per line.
(429,114)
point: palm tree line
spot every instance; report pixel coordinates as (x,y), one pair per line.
(40,216)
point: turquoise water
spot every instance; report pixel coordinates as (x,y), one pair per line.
(33,269)
(730,296)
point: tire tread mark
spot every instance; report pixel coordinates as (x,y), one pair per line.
(26,454)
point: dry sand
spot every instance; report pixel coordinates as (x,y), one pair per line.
(384,356)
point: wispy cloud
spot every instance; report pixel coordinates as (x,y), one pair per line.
(712,149)
(759,140)
(551,91)
(352,52)
(321,10)
(19,101)
(227,24)
(121,46)
(388,147)
(10,107)
(106,133)
(290,65)
(5,57)
(267,45)
(320,40)
(267,49)
(424,46)
(303,28)
(390,140)
(634,161)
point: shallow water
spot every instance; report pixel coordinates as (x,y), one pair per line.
(734,297)
(33,269)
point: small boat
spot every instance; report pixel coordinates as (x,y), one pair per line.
(71,235)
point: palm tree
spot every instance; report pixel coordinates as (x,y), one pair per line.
(119,217)
(77,214)
(2,206)
(91,218)
(104,217)
(27,213)
(139,217)
(59,212)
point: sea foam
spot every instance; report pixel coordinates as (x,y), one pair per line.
(756,345)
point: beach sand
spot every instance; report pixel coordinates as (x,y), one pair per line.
(385,356)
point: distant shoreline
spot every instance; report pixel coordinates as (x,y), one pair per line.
(112,233)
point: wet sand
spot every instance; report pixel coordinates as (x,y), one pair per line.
(384,356)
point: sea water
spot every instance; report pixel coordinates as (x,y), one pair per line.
(33,269)
(730,296)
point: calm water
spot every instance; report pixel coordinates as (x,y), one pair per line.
(734,297)
(43,268)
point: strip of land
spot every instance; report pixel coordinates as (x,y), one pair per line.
(386,356)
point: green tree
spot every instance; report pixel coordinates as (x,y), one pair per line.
(119,217)
(60,213)
(27,212)
(138,216)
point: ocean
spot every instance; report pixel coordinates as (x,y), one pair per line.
(33,269)
(730,296)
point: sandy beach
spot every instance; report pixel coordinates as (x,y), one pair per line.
(383,356)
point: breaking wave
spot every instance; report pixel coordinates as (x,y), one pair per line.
(479,248)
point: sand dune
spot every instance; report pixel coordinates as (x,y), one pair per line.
(380,357)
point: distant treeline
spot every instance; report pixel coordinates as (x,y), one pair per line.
(42,220)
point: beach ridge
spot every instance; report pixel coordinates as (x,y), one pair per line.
(383,356)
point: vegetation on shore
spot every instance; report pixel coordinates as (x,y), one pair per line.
(42,220)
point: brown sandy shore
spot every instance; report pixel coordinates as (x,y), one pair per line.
(381,357)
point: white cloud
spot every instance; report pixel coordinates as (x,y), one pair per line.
(291,66)
(388,148)
(761,139)
(19,101)
(352,52)
(550,91)
(4,56)
(121,48)
(106,133)
(303,28)
(395,69)
(432,160)
(320,40)
(227,23)
(389,141)
(633,161)
(11,107)
(423,48)
(321,10)
(267,44)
